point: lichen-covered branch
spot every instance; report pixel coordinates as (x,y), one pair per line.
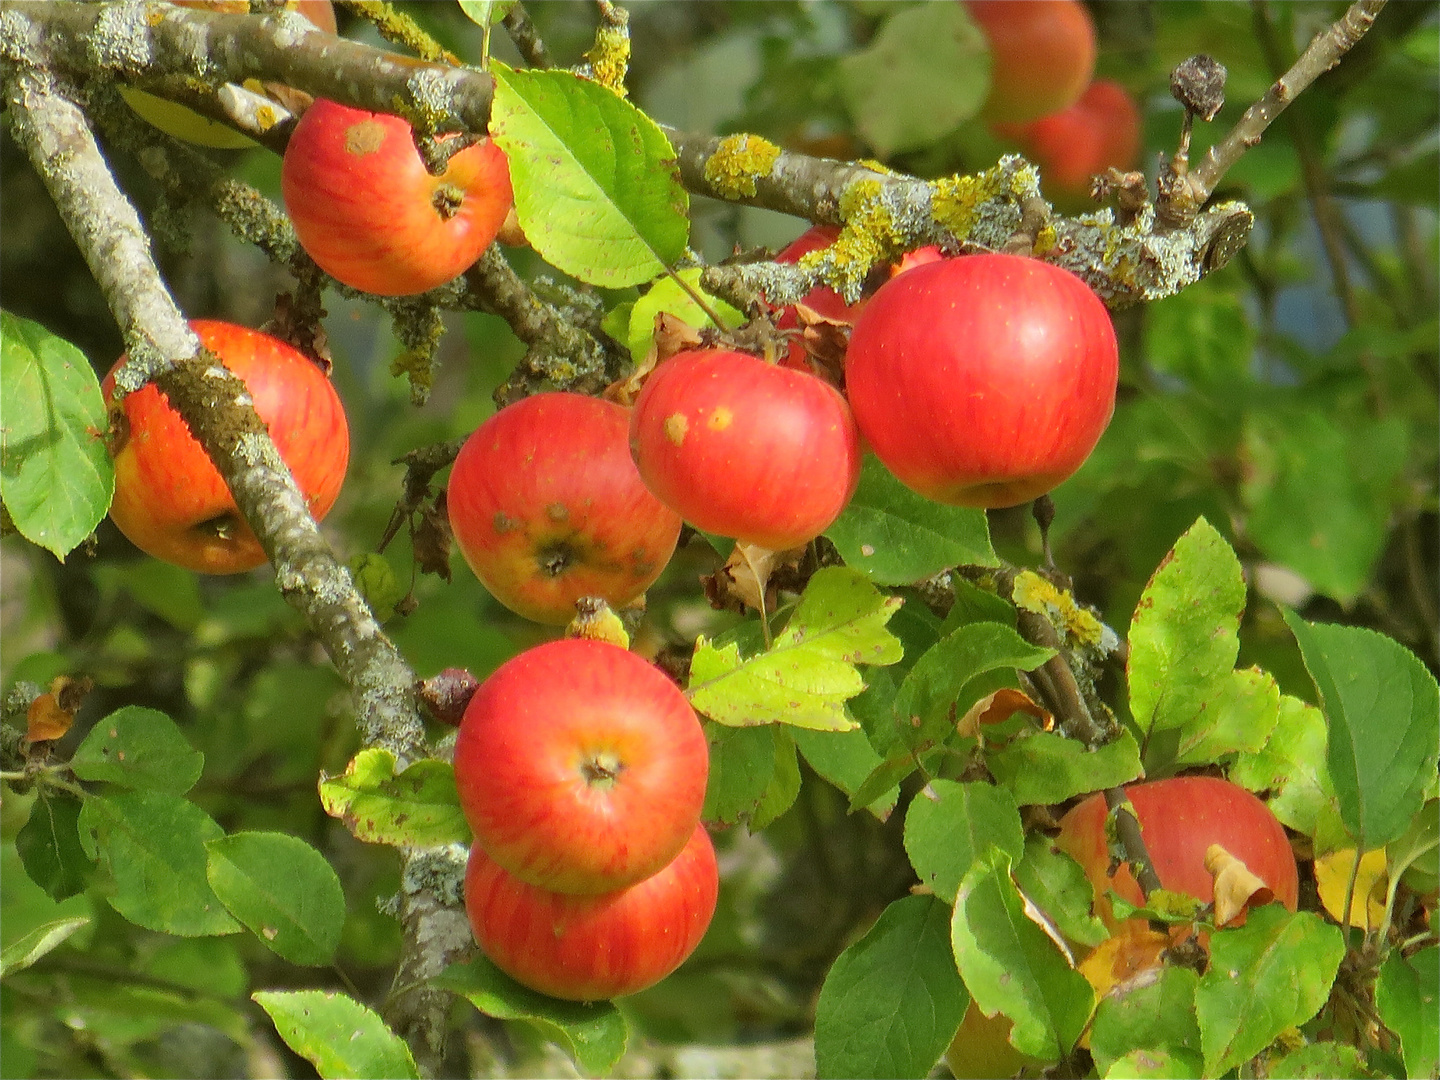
(526,38)
(49,124)
(1322,54)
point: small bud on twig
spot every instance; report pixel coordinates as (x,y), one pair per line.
(1199,84)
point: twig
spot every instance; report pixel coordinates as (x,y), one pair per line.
(526,38)
(397,27)
(1322,54)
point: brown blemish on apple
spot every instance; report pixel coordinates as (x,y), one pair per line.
(502,522)
(720,419)
(675,427)
(363,138)
(557,511)
(447,201)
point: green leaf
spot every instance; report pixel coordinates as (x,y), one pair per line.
(1202,334)
(896,537)
(893,1000)
(1156,1016)
(1012,966)
(667,296)
(1057,885)
(1271,974)
(153,843)
(1156,1065)
(742,765)
(1415,857)
(375,578)
(1319,1061)
(899,764)
(974,604)
(1405,996)
(594,1033)
(418,807)
(339,1036)
(56,477)
(846,759)
(597,191)
(934,684)
(1045,768)
(949,825)
(784,785)
(49,845)
(137,747)
(1239,717)
(1319,490)
(32,946)
(1183,636)
(172,592)
(1291,766)
(932,53)
(1384,711)
(486,12)
(283,890)
(806,676)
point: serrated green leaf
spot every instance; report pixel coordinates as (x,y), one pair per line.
(486,12)
(932,53)
(846,759)
(742,765)
(1384,711)
(342,1038)
(974,604)
(1406,995)
(934,684)
(56,477)
(1239,717)
(1157,1016)
(1271,974)
(137,747)
(1291,766)
(1319,1061)
(1012,966)
(34,945)
(809,672)
(784,785)
(594,1033)
(597,190)
(665,295)
(892,1001)
(1044,768)
(418,807)
(896,537)
(153,844)
(283,890)
(1184,634)
(949,825)
(1057,885)
(1157,1065)
(896,766)
(49,845)
(1319,489)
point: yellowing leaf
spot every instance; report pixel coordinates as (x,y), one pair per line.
(1332,879)
(1236,885)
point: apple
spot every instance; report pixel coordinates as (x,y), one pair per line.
(587,948)
(740,447)
(1180,818)
(547,506)
(1042,54)
(983,380)
(580,767)
(169,499)
(175,119)
(369,213)
(1102,129)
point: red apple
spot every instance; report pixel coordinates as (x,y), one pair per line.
(369,213)
(581,767)
(739,447)
(175,119)
(587,948)
(1100,130)
(1180,818)
(1042,54)
(983,380)
(547,507)
(170,500)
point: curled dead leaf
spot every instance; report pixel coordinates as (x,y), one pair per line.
(1236,885)
(998,707)
(737,585)
(51,715)
(672,335)
(1119,960)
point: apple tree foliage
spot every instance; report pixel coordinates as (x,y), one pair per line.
(1243,583)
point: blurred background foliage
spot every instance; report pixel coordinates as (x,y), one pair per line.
(1290,398)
